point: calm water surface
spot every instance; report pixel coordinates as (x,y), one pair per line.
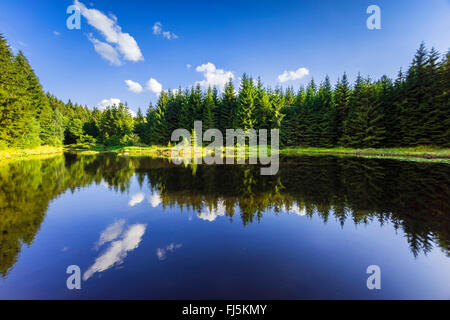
(145,228)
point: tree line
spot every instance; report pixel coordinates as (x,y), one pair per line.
(413,109)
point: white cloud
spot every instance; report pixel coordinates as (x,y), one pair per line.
(106,51)
(107,103)
(188,66)
(108,27)
(161,252)
(110,233)
(293,75)
(157,29)
(134,86)
(117,251)
(154,86)
(213,76)
(56,33)
(136,199)
(155,199)
(112,102)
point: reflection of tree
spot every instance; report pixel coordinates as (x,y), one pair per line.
(414,197)
(26,188)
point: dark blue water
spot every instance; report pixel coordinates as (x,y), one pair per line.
(144,228)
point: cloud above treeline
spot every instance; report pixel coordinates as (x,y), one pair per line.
(118,45)
(213,77)
(154,86)
(102,105)
(134,86)
(293,75)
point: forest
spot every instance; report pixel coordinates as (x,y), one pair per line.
(411,110)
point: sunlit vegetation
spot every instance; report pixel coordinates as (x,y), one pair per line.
(409,111)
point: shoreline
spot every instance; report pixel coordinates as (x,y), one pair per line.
(418,153)
(407,153)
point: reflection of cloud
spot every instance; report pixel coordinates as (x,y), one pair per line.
(155,199)
(297,210)
(136,199)
(105,184)
(118,250)
(161,252)
(211,214)
(110,233)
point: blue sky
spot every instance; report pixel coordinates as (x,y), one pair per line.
(216,39)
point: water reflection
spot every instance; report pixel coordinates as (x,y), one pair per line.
(414,197)
(118,249)
(161,253)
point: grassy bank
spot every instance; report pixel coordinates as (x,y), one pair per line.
(86,148)
(424,152)
(420,152)
(10,154)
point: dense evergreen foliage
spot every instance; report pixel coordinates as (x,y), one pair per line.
(412,110)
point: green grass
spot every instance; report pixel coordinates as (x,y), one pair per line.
(86,148)
(412,151)
(420,153)
(37,152)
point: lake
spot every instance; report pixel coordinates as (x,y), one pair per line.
(143,228)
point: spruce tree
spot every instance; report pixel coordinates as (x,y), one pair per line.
(245,105)
(228,107)
(208,108)
(160,126)
(341,96)
(327,115)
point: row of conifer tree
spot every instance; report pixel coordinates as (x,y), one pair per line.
(413,109)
